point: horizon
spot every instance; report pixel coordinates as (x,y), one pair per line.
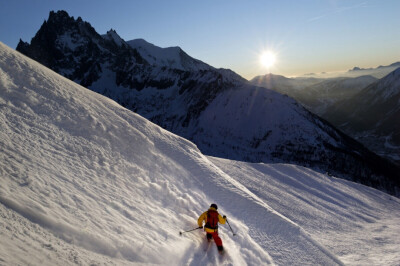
(308,37)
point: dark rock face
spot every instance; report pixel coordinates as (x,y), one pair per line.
(218,110)
(74,49)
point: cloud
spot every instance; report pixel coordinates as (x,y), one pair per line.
(338,10)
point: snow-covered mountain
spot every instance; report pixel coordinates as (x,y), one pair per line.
(373,116)
(86,181)
(218,110)
(171,57)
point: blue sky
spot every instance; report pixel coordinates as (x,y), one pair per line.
(306,35)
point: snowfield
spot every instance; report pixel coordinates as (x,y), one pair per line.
(86,181)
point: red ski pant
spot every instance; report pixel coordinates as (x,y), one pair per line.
(216,237)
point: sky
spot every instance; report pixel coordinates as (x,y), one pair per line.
(308,36)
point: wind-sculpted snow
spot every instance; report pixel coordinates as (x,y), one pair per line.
(86,181)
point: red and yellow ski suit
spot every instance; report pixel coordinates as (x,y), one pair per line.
(211,232)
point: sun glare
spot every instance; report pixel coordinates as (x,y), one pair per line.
(268,59)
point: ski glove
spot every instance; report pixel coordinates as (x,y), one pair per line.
(200,227)
(224,217)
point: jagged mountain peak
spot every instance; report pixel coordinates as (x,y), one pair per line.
(61,22)
(113,36)
(59,35)
(73,48)
(60,16)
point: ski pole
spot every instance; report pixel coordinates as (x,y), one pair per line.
(190,230)
(230,227)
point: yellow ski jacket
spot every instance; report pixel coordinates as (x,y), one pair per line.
(203,217)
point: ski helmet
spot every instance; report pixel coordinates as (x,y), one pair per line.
(214,206)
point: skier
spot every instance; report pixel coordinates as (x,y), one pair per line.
(212,218)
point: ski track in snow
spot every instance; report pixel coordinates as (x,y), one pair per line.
(85,181)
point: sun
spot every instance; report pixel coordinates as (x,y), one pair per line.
(268,59)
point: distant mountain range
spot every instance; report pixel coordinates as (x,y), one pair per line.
(377,72)
(359,106)
(221,112)
(316,94)
(358,69)
(373,116)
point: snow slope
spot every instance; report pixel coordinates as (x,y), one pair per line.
(85,181)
